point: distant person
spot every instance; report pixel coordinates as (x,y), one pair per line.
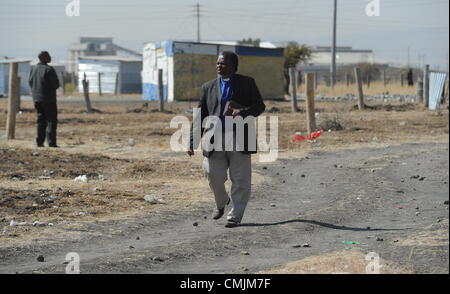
(286,81)
(230,94)
(410,78)
(299,77)
(43,83)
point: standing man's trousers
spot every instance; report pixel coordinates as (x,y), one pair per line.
(240,170)
(47,120)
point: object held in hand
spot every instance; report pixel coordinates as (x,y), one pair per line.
(232,105)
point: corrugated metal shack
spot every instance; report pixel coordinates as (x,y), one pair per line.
(23,73)
(187,65)
(119,74)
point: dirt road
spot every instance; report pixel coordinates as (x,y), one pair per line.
(390,200)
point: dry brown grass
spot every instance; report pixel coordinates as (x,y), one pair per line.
(351,261)
(368,127)
(435,235)
(104,95)
(376,88)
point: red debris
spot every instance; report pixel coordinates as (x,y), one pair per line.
(315,135)
(298,138)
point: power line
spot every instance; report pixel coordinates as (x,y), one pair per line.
(198,22)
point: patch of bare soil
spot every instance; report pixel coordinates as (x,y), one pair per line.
(23,164)
(51,205)
(38,185)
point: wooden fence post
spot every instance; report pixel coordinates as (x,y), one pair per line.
(99,83)
(359,88)
(426,85)
(73,78)
(12,101)
(298,78)
(446,96)
(293,83)
(116,88)
(18,94)
(63,81)
(161,90)
(419,90)
(310,109)
(316,80)
(86,94)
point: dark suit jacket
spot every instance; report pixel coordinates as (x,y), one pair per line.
(43,82)
(245,93)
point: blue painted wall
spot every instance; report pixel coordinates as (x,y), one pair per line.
(24,74)
(151,92)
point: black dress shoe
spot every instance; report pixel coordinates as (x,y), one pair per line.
(218,213)
(231,224)
(53,146)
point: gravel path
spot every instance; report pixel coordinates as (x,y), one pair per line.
(385,194)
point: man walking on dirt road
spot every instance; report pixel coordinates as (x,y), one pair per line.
(230,95)
(43,83)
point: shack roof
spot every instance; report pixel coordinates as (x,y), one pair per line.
(15,60)
(172,47)
(111,58)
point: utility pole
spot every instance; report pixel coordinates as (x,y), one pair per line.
(333,50)
(198,22)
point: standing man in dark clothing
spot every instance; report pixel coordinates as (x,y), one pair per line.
(43,83)
(409,78)
(286,81)
(228,96)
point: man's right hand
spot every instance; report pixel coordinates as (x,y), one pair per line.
(190,152)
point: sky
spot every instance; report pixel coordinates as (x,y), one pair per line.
(420,27)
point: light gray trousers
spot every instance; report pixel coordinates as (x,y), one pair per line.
(240,170)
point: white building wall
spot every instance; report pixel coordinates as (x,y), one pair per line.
(155,58)
(323,58)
